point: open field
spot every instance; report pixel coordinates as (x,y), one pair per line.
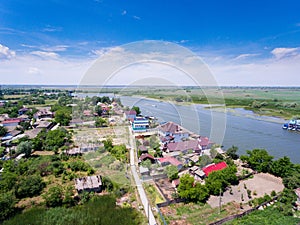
(278,102)
(259,185)
(190,214)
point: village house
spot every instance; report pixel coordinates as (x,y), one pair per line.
(43,124)
(197,173)
(146,156)
(143,149)
(89,184)
(140,124)
(171,131)
(22,111)
(43,114)
(11,122)
(196,145)
(144,171)
(169,160)
(214,167)
(130,115)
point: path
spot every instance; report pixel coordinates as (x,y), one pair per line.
(138,182)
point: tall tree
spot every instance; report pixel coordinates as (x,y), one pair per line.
(258,159)
(136,109)
(232,152)
(25,147)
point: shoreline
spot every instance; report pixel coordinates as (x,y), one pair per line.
(235,111)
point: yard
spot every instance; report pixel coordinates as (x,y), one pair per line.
(258,186)
(190,214)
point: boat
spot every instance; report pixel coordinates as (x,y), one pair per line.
(293,125)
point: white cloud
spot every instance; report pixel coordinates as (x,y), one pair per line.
(28,69)
(34,70)
(136,17)
(124,13)
(43,54)
(55,48)
(107,50)
(280,53)
(6,53)
(244,56)
(49,28)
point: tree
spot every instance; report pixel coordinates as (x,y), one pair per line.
(204,160)
(190,191)
(63,117)
(231,152)
(3,131)
(219,180)
(101,122)
(54,197)
(25,147)
(147,163)
(172,172)
(282,167)
(55,139)
(29,186)
(136,109)
(186,183)
(98,110)
(258,159)
(7,205)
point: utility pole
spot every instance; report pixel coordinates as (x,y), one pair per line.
(220,202)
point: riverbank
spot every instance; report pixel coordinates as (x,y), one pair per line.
(236,110)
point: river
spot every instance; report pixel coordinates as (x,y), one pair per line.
(243,128)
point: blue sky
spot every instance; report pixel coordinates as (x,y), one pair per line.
(242,42)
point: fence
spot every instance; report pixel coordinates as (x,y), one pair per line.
(242,214)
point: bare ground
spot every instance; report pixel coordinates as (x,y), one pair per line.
(260,184)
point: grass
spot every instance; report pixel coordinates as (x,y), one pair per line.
(152,192)
(199,213)
(270,101)
(270,216)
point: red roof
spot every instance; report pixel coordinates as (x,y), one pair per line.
(146,156)
(171,160)
(131,112)
(214,167)
(12,120)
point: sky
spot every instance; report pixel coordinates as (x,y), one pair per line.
(243,43)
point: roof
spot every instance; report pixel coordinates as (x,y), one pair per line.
(143,148)
(146,156)
(33,133)
(204,141)
(12,120)
(297,192)
(88,182)
(170,127)
(130,112)
(170,160)
(184,145)
(214,167)
(176,182)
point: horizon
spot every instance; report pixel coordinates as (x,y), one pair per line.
(242,44)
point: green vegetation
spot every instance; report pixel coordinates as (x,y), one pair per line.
(270,215)
(101,210)
(136,109)
(51,140)
(200,214)
(118,151)
(101,122)
(191,191)
(172,172)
